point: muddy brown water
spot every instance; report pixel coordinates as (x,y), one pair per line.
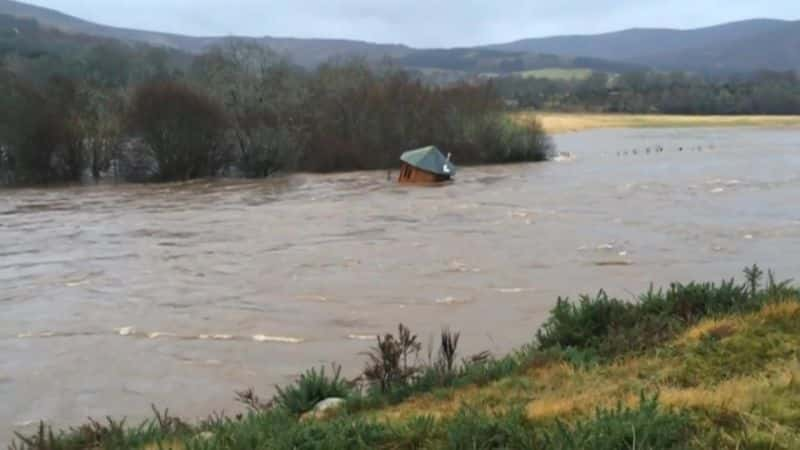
(116,297)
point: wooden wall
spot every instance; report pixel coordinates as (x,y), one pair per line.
(409,174)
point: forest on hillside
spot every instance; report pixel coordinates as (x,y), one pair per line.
(764,92)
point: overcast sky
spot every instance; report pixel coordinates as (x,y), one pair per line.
(418,23)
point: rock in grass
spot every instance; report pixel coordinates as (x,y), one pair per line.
(324,409)
(205,436)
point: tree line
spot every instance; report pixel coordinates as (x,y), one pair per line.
(140,113)
(656,92)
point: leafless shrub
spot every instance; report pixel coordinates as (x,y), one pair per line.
(388,362)
(249,398)
(447,351)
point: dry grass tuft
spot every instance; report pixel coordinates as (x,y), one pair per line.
(718,328)
(780,310)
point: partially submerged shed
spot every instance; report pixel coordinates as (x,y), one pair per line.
(426,165)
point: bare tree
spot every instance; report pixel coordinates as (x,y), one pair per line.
(184,129)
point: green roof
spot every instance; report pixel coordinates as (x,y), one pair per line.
(429,159)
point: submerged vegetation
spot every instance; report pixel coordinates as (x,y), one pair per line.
(698,365)
(141,113)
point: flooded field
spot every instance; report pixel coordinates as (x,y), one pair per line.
(116,297)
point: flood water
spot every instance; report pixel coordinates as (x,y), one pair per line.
(116,297)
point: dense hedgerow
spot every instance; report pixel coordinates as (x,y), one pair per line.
(612,326)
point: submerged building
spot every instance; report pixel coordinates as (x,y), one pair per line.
(426,165)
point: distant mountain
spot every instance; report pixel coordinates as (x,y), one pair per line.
(308,52)
(778,49)
(641,42)
(51,18)
(734,47)
(488,61)
(771,44)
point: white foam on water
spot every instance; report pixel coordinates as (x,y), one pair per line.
(125,331)
(717,190)
(623,253)
(43,334)
(748,236)
(277,339)
(315,298)
(520,214)
(360,337)
(516,290)
(158,334)
(458,266)
(450,301)
(215,337)
(565,157)
(25,423)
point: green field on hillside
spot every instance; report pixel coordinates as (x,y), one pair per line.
(557,74)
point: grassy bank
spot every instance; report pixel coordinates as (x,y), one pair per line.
(556,123)
(700,365)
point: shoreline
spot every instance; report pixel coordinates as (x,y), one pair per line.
(658,364)
(553,124)
(561,123)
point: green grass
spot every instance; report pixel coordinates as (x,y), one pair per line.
(557,74)
(312,388)
(698,365)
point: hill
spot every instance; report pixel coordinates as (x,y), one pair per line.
(455,63)
(307,52)
(744,46)
(638,43)
(777,50)
(739,46)
(488,61)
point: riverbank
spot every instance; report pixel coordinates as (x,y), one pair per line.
(558,123)
(694,366)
